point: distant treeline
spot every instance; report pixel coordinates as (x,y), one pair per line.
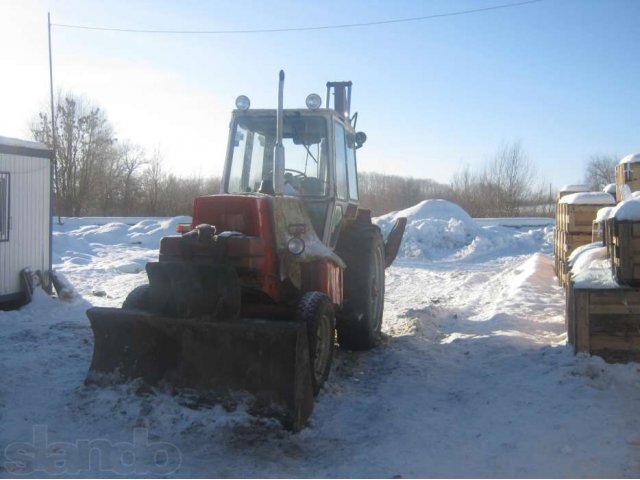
(102,176)
(98,175)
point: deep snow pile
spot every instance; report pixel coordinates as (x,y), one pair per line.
(105,258)
(472,379)
(438,229)
(591,267)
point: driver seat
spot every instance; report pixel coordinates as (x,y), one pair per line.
(311,186)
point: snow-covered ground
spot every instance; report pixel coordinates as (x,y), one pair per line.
(473,377)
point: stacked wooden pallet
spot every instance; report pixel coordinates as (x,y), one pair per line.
(627,176)
(624,243)
(560,213)
(604,322)
(603,291)
(603,315)
(574,224)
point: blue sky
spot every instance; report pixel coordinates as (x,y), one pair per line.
(434,96)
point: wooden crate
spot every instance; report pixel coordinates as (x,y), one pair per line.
(604,322)
(577,218)
(625,252)
(627,174)
(566,244)
(574,228)
(570,241)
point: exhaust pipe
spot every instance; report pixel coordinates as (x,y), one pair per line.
(341,98)
(278,156)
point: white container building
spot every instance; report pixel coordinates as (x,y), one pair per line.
(25,216)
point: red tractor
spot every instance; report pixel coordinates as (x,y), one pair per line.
(250,296)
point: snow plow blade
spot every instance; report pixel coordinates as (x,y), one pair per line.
(268,359)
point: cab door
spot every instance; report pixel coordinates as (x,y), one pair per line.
(346,180)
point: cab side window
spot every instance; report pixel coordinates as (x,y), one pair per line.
(341,163)
(351,168)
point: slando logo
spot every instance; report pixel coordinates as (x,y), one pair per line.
(139,457)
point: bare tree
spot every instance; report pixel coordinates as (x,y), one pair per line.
(506,186)
(98,175)
(510,178)
(85,144)
(132,159)
(601,171)
(383,193)
(152,180)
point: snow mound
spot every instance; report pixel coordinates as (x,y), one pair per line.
(435,228)
(87,250)
(603,214)
(534,272)
(610,189)
(633,158)
(430,209)
(590,267)
(588,198)
(149,232)
(627,210)
(574,188)
(75,240)
(438,229)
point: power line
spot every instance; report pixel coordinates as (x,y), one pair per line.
(302,29)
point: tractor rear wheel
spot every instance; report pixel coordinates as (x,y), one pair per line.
(316,311)
(138,299)
(362,249)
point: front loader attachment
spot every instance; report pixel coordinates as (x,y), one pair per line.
(267,358)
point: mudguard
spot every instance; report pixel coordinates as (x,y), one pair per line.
(393,241)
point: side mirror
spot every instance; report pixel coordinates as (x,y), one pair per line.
(361,137)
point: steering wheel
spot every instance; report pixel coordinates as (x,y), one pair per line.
(297,172)
(297,178)
(294,178)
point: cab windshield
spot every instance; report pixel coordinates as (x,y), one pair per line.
(306,154)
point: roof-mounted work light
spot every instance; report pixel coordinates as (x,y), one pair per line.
(313,101)
(243,102)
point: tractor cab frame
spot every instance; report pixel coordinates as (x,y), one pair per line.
(320,164)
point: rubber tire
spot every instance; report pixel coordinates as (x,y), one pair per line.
(316,311)
(138,299)
(362,249)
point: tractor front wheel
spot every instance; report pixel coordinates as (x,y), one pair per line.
(316,311)
(138,299)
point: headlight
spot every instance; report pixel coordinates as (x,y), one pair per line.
(243,102)
(296,245)
(313,101)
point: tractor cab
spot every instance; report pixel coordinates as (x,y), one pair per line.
(319,166)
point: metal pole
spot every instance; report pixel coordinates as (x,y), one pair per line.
(53,122)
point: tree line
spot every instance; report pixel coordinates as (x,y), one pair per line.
(100,175)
